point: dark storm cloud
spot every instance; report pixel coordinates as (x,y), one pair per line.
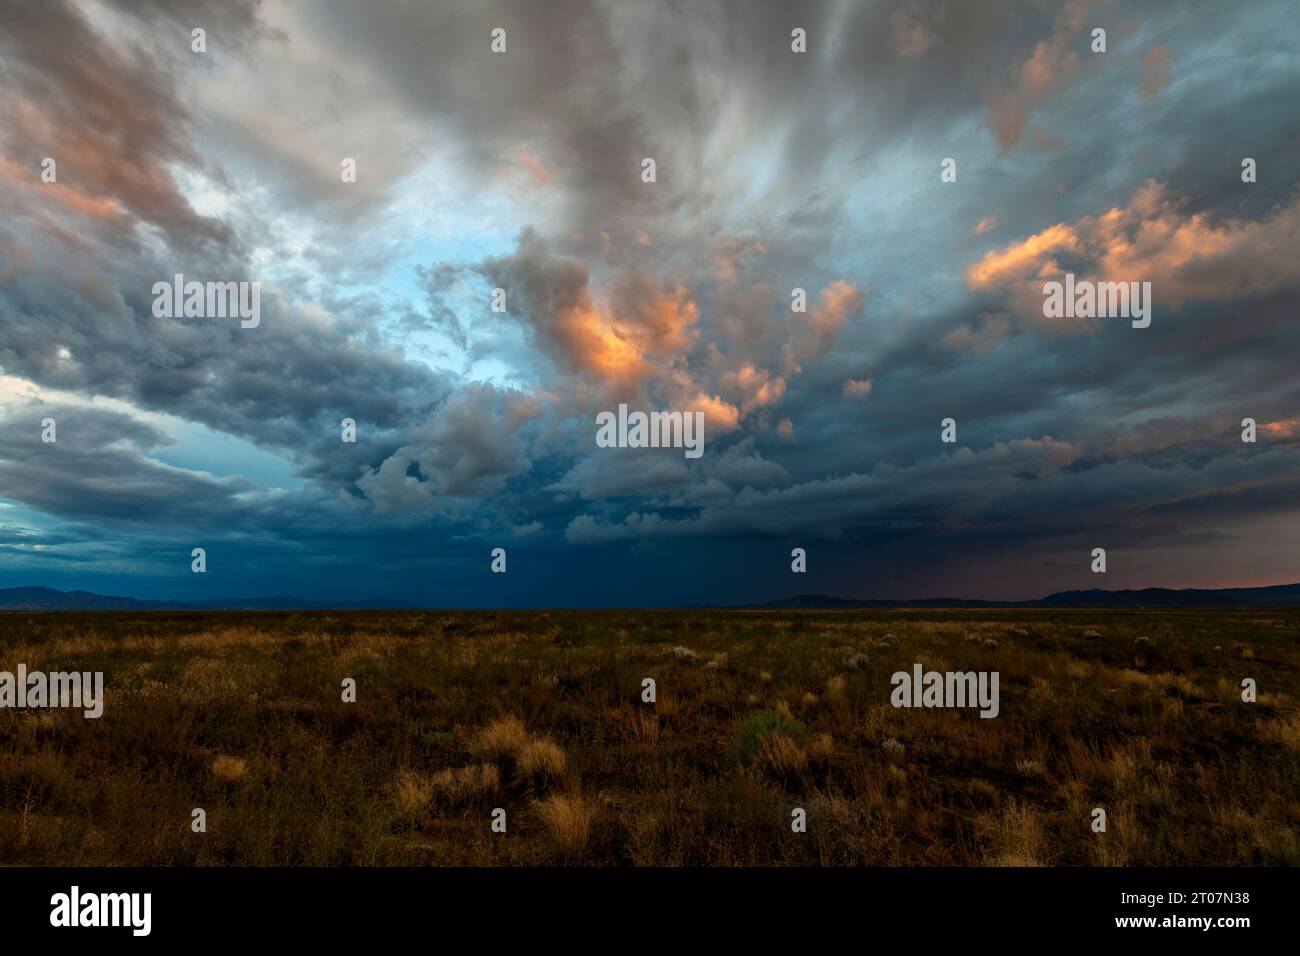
(98,469)
(284,385)
(585,89)
(468,448)
(113,122)
(109,117)
(775,170)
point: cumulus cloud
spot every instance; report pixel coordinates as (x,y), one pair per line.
(1185,255)
(466,449)
(551,293)
(101,468)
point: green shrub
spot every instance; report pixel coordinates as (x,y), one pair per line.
(759,726)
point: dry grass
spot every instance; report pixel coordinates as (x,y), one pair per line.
(1139,713)
(412,793)
(230,769)
(782,759)
(476,784)
(502,740)
(541,758)
(568,821)
(821,748)
(507,743)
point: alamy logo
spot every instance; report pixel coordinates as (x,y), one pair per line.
(923,688)
(76,689)
(103,909)
(651,430)
(211,300)
(1085,299)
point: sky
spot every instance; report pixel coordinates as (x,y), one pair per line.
(523,170)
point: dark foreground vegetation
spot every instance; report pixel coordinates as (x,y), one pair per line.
(757,714)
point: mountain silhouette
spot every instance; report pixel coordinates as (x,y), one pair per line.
(1275,595)
(50,599)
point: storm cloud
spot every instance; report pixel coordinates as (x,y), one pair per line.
(501,271)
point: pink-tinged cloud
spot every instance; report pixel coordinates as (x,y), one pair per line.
(815,330)
(112,121)
(658,319)
(538,172)
(623,336)
(754,387)
(637,338)
(1159,434)
(1283,429)
(732,254)
(1053,62)
(858,387)
(1186,256)
(1019,257)
(912,35)
(980,337)
(1156,75)
(720,416)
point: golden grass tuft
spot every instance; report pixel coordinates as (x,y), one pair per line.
(230,769)
(1018,834)
(781,759)
(507,743)
(502,739)
(568,821)
(820,748)
(1284,731)
(459,786)
(836,695)
(645,730)
(411,793)
(540,758)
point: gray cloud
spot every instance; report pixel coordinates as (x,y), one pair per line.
(776,170)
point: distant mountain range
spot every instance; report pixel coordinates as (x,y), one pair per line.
(49,599)
(1276,595)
